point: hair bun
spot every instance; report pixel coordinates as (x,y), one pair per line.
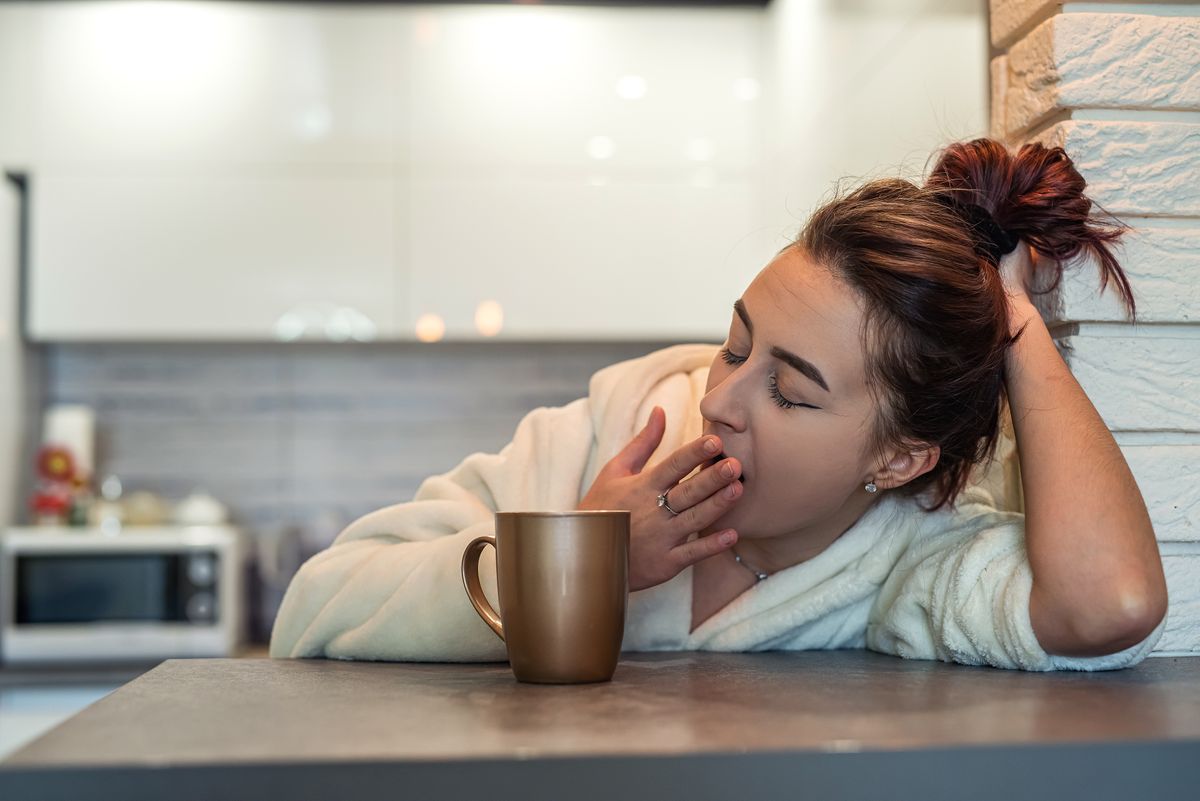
(1036,195)
(997,242)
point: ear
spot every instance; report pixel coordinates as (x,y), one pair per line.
(904,466)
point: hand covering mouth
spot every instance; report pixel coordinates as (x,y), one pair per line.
(723,455)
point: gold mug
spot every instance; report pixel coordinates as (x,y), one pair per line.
(563,585)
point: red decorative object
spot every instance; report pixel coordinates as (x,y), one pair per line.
(55,463)
(54,499)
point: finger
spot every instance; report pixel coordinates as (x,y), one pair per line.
(703,514)
(709,480)
(684,460)
(634,455)
(701,548)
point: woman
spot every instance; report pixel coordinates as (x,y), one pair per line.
(865,375)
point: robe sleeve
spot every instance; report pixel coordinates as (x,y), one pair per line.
(389,587)
(962,595)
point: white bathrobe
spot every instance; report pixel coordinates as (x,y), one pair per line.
(952,586)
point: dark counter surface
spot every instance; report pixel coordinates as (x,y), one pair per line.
(816,724)
(61,673)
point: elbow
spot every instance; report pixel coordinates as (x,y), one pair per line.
(1136,617)
(1132,616)
(1142,615)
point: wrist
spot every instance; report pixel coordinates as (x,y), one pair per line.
(1021,311)
(1032,346)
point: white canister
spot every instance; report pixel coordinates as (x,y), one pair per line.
(73,426)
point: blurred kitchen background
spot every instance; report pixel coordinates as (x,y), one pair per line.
(266,266)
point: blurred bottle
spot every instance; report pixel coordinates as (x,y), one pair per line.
(81,507)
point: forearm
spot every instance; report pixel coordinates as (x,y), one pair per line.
(1097,574)
(377,598)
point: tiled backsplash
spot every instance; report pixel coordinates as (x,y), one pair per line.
(301,439)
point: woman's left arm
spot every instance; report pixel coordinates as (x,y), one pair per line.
(1098,583)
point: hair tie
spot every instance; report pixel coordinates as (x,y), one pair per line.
(996,240)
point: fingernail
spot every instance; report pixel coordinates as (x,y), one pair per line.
(727,538)
(710,445)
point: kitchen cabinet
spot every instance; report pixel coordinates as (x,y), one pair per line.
(228,254)
(214,84)
(496,89)
(16,24)
(222,171)
(637,260)
(214,171)
(596,174)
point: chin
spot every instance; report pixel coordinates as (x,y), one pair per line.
(736,513)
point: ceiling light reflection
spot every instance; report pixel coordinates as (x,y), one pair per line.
(489,318)
(631,87)
(601,147)
(746,89)
(430,327)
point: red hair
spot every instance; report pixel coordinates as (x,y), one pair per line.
(936,326)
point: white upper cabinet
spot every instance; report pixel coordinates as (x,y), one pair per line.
(594,174)
(566,260)
(16,24)
(257,171)
(215,83)
(215,170)
(495,87)
(222,255)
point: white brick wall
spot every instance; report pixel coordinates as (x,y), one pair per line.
(1118,86)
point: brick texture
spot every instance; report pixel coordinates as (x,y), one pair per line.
(1105,61)
(1120,92)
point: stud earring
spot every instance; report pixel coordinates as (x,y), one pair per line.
(870,487)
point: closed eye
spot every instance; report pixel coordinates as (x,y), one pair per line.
(730,358)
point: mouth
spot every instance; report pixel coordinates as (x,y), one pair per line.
(719,457)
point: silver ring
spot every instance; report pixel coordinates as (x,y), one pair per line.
(662,501)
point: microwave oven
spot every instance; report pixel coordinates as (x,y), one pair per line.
(141,594)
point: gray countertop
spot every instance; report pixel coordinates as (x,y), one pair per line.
(819,724)
(73,673)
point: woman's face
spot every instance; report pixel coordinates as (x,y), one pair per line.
(803,466)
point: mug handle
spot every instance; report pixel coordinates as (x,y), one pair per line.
(470,575)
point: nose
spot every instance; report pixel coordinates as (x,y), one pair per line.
(725,403)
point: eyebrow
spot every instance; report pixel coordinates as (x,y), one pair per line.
(804,366)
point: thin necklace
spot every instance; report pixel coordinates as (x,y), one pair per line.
(758,573)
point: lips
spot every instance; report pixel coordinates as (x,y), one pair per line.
(719,457)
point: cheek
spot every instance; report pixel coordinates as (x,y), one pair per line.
(805,470)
